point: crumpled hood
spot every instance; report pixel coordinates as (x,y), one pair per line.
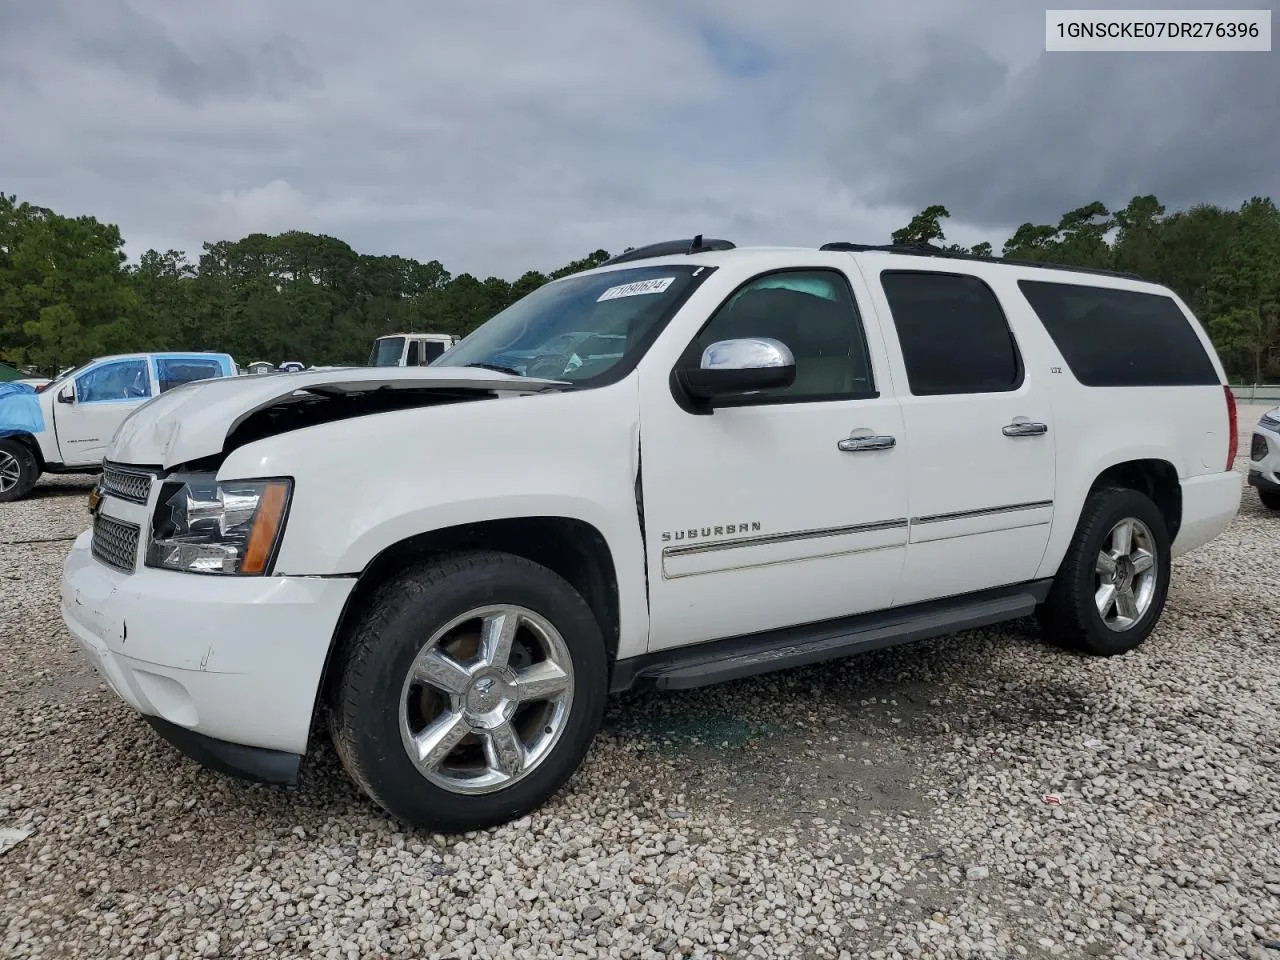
(193,421)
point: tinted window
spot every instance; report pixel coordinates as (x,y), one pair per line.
(953,333)
(813,313)
(431,349)
(118,380)
(1120,338)
(414,357)
(173,373)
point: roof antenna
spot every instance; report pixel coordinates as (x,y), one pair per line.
(696,245)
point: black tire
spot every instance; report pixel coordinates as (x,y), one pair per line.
(1270,499)
(378,652)
(1069,616)
(16,453)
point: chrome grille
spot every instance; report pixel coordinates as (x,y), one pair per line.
(115,542)
(127,483)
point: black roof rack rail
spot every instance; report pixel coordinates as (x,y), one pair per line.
(669,248)
(925,250)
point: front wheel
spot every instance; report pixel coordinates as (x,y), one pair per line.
(1111,588)
(471,689)
(19,470)
(1270,499)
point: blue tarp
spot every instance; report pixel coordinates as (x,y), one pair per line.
(19,409)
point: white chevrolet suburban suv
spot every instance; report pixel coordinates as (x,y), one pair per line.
(771,457)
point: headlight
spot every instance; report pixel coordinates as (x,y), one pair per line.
(233,527)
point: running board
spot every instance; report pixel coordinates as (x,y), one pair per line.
(736,657)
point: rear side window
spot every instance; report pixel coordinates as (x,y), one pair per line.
(174,373)
(954,335)
(432,349)
(1120,338)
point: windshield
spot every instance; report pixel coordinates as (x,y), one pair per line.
(581,327)
(387,352)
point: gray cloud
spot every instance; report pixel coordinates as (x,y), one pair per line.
(496,136)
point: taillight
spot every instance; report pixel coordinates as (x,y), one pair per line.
(1233,430)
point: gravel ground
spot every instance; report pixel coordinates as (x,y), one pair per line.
(889,805)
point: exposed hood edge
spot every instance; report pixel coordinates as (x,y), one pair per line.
(193,423)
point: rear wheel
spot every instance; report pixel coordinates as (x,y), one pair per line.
(470,691)
(19,470)
(1111,588)
(1270,499)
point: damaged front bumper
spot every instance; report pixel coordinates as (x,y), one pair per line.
(227,669)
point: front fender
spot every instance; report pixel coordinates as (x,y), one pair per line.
(368,483)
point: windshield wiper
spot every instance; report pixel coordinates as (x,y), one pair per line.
(497,367)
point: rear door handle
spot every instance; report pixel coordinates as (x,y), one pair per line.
(859,444)
(1025,428)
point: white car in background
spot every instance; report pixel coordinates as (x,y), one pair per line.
(1264,459)
(66,426)
(409,349)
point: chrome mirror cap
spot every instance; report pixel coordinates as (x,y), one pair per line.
(747,353)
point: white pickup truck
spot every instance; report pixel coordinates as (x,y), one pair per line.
(794,455)
(66,426)
(409,349)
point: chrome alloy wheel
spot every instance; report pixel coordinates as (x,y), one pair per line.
(10,471)
(486,699)
(1125,574)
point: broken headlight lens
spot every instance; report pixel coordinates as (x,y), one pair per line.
(232,527)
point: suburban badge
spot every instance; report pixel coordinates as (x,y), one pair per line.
(701,533)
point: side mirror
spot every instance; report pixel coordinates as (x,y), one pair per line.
(67,394)
(740,366)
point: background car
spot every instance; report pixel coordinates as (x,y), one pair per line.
(65,426)
(1264,459)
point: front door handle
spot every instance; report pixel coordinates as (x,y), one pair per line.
(859,444)
(1025,428)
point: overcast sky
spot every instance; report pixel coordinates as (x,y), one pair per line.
(501,136)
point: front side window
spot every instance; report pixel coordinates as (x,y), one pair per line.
(414,356)
(954,335)
(583,328)
(174,372)
(813,313)
(116,380)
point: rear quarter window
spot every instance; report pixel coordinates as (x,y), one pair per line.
(1120,338)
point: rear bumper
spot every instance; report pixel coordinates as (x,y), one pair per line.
(1209,504)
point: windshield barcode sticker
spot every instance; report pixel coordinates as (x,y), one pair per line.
(636,289)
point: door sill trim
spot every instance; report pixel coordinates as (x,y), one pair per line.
(732,658)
